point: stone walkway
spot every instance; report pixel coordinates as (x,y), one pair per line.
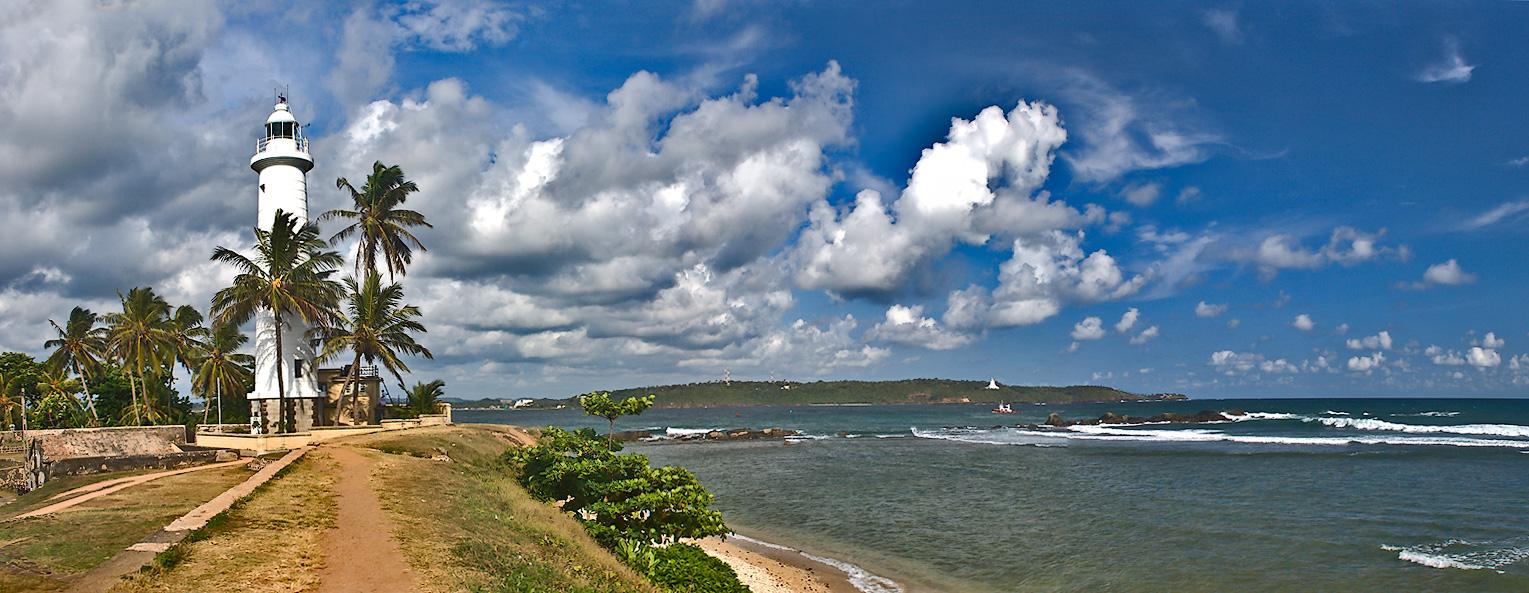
(360,553)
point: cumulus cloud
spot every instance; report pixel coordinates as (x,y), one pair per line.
(1346,246)
(1443,357)
(1303,322)
(1380,341)
(1051,269)
(1448,273)
(1204,309)
(1091,328)
(978,182)
(369,35)
(1483,358)
(1366,364)
(1127,320)
(908,326)
(1232,363)
(1491,341)
(1145,336)
(1451,68)
(649,228)
(1142,194)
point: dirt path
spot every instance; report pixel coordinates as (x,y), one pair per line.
(360,553)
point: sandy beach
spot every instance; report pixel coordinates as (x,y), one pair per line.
(769,570)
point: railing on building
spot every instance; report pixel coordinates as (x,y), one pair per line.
(300,142)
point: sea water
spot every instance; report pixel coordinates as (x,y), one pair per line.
(1361,495)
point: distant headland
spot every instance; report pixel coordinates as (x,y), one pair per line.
(904,391)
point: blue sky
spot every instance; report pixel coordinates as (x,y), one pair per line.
(1295,199)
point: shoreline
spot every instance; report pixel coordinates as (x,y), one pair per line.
(767,567)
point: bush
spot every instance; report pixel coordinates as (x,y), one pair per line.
(685,568)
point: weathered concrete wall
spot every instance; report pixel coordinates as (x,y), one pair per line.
(79,466)
(116,441)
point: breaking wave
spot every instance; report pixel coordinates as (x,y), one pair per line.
(1045,437)
(1461,555)
(1429,414)
(861,578)
(1503,430)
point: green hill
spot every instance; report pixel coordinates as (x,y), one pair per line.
(909,391)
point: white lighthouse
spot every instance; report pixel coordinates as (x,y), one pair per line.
(282,160)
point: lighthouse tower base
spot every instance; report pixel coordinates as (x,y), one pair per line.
(304,413)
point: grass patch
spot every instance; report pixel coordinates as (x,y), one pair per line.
(55,547)
(268,542)
(465,525)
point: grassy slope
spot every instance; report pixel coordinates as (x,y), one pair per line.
(53,547)
(865,392)
(466,526)
(268,543)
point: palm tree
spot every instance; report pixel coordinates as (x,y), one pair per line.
(376,326)
(188,340)
(425,397)
(379,220)
(221,368)
(289,275)
(8,405)
(57,405)
(141,337)
(79,347)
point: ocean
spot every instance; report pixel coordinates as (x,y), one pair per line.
(1335,495)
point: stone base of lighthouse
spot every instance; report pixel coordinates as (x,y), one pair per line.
(304,412)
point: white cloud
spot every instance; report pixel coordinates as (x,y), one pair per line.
(980,182)
(1506,211)
(1145,336)
(1380,341)
(1049,270)
(1091,328)
(458,25)
(1443,357)
(1204,309)
(1223,21)
(1127,320)
(1450,68)
(1303,322)
(1366,364)
(1346,246)
(1142,194)
(1188,195)
(1448,273)
(1121,133)
(1233,323)
(1231,363)
(908,326)
(1492,341)
(1341,329)
(1483,358)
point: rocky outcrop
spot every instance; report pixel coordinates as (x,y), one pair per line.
(1200,417)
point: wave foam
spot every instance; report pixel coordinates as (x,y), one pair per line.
(1502,430)
(1461,554)
(1429,414)
(680,432)
(861,578)
(1017,436)
(1262,416)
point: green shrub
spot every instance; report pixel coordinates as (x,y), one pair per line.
(685,568)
